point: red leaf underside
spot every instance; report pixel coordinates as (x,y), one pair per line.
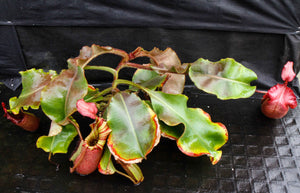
(287,73)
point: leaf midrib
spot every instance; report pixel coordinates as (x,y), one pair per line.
(130,123)
(225,79)
(68,91)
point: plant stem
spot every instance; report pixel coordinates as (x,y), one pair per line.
(77,128)
(103,92)
(122,81)
(135,65)
(147,67)
(52,162)
(103,68)
(127,176)
(261,91)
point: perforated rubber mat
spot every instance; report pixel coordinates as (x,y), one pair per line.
(261,155)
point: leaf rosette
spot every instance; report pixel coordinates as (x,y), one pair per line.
(136,120)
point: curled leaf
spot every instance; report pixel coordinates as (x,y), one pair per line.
(165,61)
(33,82)
(174,84)
(89,53)
(201,136)
(277,101)
(58,143)
(287,73)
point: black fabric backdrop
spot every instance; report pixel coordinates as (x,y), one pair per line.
(262,35)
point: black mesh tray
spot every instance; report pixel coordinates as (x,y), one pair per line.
(262,155)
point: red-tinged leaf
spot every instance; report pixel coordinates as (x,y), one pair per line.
(166,60)
(169,60)
(174,84)
(163,61)
(33,82)
(227,79)
(278,100)
(201,136)
(288,73)
(89,53)
(59,97)
(149,79)
(135,128)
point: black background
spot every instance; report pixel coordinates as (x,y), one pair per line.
(262,35)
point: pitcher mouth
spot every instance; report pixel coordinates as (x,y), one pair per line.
(92,140)
(25,120)
(15,118)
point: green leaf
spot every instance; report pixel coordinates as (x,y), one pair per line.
(201,135)
(59,97)
(171,132)
(58,143)
(134,125)
(149,79)
(106,165)
(33,81)
(226,78)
